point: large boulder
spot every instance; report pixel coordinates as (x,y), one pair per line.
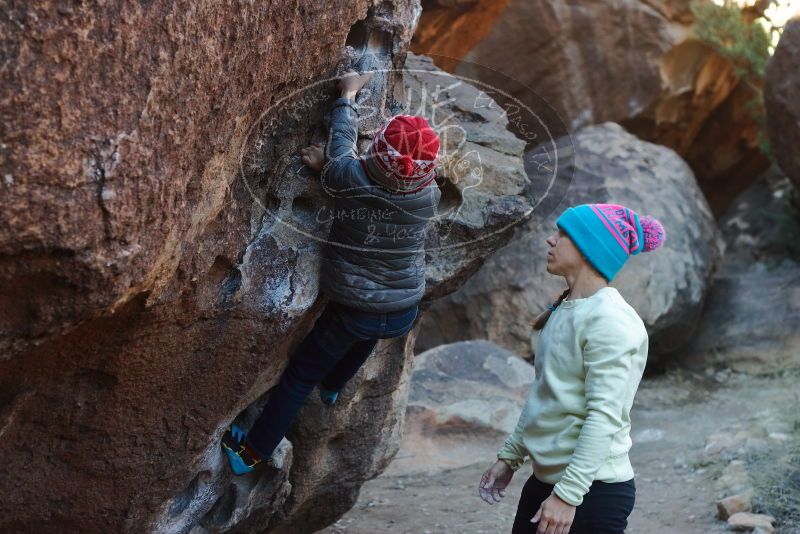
(463,396)
(750,321)
(636,63)
(592,62)
(468,386)
(667,287)
(159,258)
(782,100)
(486,190)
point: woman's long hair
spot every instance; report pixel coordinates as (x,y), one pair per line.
(541,319)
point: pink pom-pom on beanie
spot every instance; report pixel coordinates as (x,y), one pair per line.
(654,234)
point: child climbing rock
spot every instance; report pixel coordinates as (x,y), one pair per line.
(590,357)
(374,262)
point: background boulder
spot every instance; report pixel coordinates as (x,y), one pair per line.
(750,321)
(637,63)
(445,376)
(463,396)
(667,287)
(782,100)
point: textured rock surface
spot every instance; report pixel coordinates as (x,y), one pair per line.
(704,113)
(782,100)
(746,522)
(761,227)
(463,396)
(734,504)
(468,385)
(574,55)
(485,187)
(635,63)
(750,321)
(667,287)
(159,247)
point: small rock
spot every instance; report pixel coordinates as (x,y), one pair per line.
(734,478)
(716,443)
(733,505)
(745,521)
(648,435)
(778,436)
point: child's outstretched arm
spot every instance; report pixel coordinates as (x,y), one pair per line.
(344,128)
(340,152)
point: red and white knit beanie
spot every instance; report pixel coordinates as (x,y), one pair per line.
(403,154)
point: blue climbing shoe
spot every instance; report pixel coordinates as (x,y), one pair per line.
(242,460)
(327,397)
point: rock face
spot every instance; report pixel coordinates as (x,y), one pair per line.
(468,385)
(761,226)
(704,113)
(159,257)
(667,287)
(750,321)
(574,55)
(635,63)
(782,100)
(486,190)
(462,394)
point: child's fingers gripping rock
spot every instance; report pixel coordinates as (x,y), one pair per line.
(352,81)
(313,156)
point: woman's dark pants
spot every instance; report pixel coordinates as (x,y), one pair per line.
(604,510)
(337,346)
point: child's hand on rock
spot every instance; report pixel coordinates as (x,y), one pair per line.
(352,82)
(313,156)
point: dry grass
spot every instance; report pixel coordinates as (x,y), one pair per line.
(776,480)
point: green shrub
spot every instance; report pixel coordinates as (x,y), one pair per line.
(746,45)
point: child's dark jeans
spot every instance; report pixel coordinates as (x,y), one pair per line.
(331,354)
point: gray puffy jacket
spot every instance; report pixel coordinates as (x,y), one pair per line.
(375,255)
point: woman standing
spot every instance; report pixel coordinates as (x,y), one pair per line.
(590,357)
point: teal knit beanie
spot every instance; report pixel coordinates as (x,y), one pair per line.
(608,234)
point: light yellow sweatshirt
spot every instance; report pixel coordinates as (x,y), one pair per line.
(576,423)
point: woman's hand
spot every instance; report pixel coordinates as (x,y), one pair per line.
(494,481)
(554,516)
(352,82)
